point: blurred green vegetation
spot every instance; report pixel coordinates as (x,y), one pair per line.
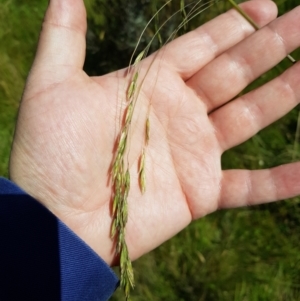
(19,29)
(249,254)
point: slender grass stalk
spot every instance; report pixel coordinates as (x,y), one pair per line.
(183,12)
(253,23)
(156,26)
(297,138)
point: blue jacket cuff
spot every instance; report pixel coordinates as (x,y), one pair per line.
(42,259)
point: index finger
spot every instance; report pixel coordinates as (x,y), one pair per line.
(189,53)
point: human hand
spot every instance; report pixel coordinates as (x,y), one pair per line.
(68,125)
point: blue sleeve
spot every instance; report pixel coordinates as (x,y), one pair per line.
(42,259)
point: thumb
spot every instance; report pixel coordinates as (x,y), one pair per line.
(62,40)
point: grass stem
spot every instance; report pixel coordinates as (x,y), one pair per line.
(253,23)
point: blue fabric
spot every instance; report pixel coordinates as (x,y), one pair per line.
(93,281)
(42,259)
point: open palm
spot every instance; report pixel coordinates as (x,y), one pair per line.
(68,125)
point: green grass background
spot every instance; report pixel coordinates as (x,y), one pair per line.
(249,254)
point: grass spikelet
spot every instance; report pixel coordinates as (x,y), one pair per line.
(147,130)
(132,86)
(142,174)
(129,112)
(139,58)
